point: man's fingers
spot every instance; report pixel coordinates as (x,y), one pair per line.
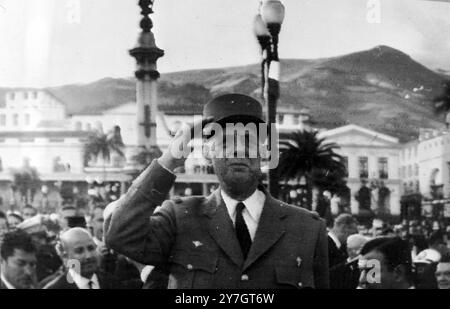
(198,125)
(192,128)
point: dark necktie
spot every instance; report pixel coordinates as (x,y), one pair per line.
(242,233)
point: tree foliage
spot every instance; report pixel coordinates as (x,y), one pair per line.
(103,145)
(302,153)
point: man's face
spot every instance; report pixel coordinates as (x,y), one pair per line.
(443,275)
(97,223)
(375,273)
(13,221)
(63,218)
(20,269)
(29,213)
(83,249)
(239,169)
(3,228)
(345,231)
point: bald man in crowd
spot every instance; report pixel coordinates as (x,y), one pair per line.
(81,259)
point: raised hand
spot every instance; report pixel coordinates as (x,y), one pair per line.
(178,150)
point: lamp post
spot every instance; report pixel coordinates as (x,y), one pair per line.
(267,25)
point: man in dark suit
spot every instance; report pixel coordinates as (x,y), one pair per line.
(239,236)
(78,251)
(344,226)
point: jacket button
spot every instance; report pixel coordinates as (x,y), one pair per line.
(244,277)
(190,267)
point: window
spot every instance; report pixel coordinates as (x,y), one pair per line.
(416,169)
(345,162)
(296,119)
(78,125)
(27,119)
(56,140)
(280,118)
(12,96)
(2,120)
(383,168)
(25,95)
(26,140)
(410,171)
(363,167)
(35,94)
(1,165)
(404,172)
(16,119)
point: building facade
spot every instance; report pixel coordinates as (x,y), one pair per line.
(36,129)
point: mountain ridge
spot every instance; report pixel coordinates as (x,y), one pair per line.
(381,88)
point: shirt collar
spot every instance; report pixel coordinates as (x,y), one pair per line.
(8,285)
(81,282)
(254,204)
(335,239)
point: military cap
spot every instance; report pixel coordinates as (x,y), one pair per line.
(233,108)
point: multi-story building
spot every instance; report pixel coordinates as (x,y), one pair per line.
(372,161)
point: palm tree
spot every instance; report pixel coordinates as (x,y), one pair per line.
(145,156)
(103,145)
(442,102)
(303,154)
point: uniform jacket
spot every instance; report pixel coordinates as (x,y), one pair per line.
(195,240)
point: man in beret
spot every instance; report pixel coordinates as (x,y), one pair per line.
(239,236)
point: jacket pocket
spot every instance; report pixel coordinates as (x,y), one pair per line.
(291,277)
(193,269)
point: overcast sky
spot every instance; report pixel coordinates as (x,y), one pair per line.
(55,42)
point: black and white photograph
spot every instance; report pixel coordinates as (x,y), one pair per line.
(225,145)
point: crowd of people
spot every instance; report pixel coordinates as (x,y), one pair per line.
(62,251)
(388,259)
(59,251)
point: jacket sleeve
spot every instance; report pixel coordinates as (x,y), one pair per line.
(321,267)
(134,229)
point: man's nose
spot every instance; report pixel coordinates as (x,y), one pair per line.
(29,270)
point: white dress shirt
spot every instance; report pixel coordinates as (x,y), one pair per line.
(252,212)
(8,285)
(83,283)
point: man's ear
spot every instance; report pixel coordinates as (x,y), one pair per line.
(60,250)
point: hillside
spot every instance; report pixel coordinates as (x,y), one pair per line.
(381,88)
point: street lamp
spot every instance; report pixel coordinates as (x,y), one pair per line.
(267,25)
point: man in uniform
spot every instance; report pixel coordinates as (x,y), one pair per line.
(238,237)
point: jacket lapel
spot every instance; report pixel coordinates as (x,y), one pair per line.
(270,229)
(221,227)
